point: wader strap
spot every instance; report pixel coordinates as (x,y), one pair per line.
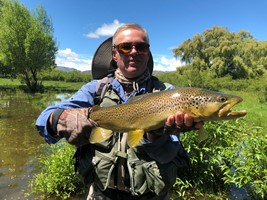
(122,165)
(102,88)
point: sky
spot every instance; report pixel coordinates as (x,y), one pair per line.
(80,26)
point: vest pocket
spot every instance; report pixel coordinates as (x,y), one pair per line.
(137,178)
(150,176)
(154,178)
(104,166)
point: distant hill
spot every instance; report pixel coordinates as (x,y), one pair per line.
(66,69)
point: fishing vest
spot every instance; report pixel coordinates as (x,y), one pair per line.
(112,165)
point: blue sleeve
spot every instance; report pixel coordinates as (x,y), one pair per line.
(83,98)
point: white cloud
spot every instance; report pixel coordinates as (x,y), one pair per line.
(105,30)
(164,63)
(68,58)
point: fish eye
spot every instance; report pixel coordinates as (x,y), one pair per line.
(222,99)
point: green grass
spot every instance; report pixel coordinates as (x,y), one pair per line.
(49,86)
(9,84)
(62,86)
(256,110)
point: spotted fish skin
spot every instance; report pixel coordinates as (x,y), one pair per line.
(149,111)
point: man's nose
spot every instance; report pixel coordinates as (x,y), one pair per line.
(133,51)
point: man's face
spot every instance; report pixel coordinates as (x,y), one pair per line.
(134,63)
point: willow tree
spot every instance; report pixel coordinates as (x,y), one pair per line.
(27,45)
(224,53)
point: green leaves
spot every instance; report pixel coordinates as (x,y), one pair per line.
(27,45)
(56,177)
(234,154)
(224,53)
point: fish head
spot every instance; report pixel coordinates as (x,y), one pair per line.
(216,106)
(225,111)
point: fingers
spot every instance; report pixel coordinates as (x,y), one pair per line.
(181,119)
(170,120)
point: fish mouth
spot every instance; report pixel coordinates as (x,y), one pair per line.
(225,111)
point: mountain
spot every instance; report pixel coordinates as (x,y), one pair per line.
(66,69)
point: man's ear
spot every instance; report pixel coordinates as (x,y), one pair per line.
(114,55)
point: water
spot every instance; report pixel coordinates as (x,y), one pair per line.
(18,143)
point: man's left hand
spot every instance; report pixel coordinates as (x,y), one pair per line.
(181,122)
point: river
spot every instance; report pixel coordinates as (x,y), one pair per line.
(19,141)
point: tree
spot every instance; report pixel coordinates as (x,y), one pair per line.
(27,45)
(224,53)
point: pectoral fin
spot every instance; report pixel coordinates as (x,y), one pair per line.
(99,134)
(202,135)
(134,137)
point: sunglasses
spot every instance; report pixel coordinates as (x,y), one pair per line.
(126,48)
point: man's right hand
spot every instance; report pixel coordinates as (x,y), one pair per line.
(74,125)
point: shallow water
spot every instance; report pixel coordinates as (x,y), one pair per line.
(18,143)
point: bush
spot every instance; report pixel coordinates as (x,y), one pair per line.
(233,154)
(56,177)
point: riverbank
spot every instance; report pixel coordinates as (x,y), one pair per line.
(49,86)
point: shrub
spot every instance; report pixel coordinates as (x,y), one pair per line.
(56,177)
(233,154)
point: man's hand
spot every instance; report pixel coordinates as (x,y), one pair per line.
(177,123)
(181,122)
(74,125)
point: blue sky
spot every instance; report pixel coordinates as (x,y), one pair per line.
(81,25)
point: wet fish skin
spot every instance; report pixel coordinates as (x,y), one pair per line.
(149,111)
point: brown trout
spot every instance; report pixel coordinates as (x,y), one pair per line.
(149,112)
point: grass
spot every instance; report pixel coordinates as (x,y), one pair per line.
(61,86)
(50,86)
(9,84)
(256,110)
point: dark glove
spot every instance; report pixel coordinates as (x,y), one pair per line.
(75,126)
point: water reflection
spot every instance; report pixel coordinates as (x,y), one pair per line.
(18,143)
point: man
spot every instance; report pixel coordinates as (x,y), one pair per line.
(111,169)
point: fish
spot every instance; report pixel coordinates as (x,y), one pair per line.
(149,112)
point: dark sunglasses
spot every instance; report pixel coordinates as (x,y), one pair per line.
(126,48)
